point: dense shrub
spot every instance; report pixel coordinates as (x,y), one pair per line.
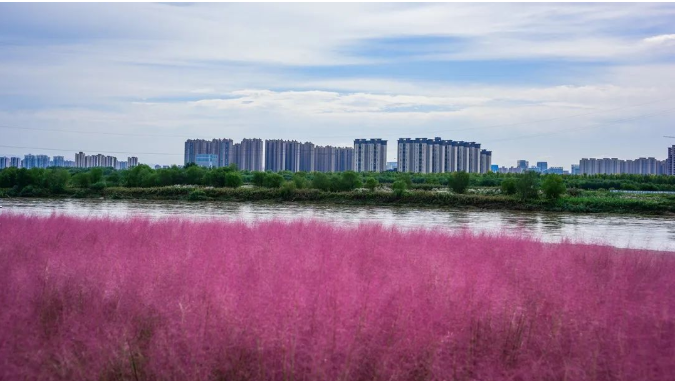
(197,195)
(527,185)
(273,180)
(399,187)
(233,180)
(321,181)
(173,299)
(553,186)
(508,186)
(258,178)
(98,186)
(371,183)
(459,182)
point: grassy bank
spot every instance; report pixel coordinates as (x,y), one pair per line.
(140,300)
(586,202)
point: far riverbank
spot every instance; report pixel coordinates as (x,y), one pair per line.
(588,202)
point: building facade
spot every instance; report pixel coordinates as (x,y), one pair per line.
(369,155)
(250,155)
(671,161)
(307,157)
(422,155)
(222,148)
(275,155)
(614,166)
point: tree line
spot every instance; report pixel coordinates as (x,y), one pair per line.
(39,181)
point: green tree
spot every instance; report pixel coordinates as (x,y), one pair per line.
(553,186)
(508,186)
(527,185)
(459,182)
(233,179)
(195,175)
(371,183)
(81,180)
(273,180)
(96,175)
(299,179)
(113,179)
(321,181)
(405,178)
(288,188)
(258,178)
(346,181)
(8,177)
(56,180)
(399,187)
(133,177)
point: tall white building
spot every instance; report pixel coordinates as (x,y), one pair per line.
(369,155)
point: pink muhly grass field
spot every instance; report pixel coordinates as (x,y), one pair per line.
(179,300)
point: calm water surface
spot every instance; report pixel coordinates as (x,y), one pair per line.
(656,233)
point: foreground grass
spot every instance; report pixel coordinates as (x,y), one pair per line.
(141,300)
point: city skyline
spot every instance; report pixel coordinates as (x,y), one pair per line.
(557,82)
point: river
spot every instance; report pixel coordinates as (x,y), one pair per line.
(657,233)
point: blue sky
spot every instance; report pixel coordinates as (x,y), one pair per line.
(547,82)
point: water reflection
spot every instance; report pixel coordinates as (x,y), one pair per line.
(622,231)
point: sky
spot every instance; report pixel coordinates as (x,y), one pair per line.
(548,82)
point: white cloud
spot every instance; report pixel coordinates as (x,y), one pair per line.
(662,39)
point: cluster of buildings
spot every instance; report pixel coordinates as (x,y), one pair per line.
(281,155)
(291,155)
(367,155)
(524,166)
(99,160)
(640,166)
(81,161)
(247,155)
(436,155)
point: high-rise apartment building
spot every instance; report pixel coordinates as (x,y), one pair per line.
(485,161)
(574,169)
(422,155)
(613,166)
(345,159)
(543,166)
(4,162)
(35,161)
(671,161)
(15,161)
(415,155)
(307,157)
(292,155)
(370,155)
(275,155)
(523,165)
(58,161)
(250,155)
(325,158)
(221,148)
(132,161)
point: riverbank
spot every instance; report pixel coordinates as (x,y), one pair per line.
(178,299)
(588,202)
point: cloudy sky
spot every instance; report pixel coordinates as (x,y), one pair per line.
(547,82)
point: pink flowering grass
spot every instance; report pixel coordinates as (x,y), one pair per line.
(104,299)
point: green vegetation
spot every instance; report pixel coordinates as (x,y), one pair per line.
(459,182)
(527,186)
(553,186)
(528,191)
